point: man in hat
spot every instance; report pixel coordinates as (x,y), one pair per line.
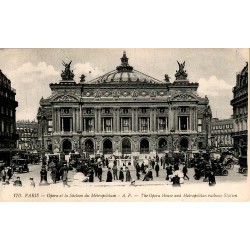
(32,183)
(17,182)
(109,175)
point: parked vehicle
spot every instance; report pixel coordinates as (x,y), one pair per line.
(20,165)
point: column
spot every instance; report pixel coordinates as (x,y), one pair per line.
(77,120)
(54,119)
(188,128)
(133,120)
(191,119)
(96,120)
(74,120)
(113,123)
(99,121)
(150,122)
(136,120)
(118,121)
(62,125)
(155,121)
(170,119)
(80,118)
(195,119)
(70,125)
(58,120)
(179,123)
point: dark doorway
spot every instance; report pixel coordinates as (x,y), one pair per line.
(184,144)
(126,146)
(89,146)
(183,123)
(66,124)
(107,147)
(144,146)
(67,146)
(162,145)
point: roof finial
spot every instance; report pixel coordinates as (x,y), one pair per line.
(124,64)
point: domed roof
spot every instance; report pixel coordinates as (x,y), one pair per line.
(124,73)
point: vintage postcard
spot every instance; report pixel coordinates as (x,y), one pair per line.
(124,125)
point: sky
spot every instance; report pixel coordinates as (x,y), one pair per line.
(32,70)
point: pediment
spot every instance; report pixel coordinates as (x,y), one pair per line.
(65,98)
(184,97)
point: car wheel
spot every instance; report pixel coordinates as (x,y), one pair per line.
(224,172)
(28,170)
(244,170)
(20,170)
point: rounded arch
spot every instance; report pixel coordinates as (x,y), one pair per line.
(66,146)
(162,144)
(126,146)
(89,146)
(107,146)
(184,143)
(144,146)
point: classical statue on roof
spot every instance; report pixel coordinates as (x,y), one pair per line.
(167,78)
(181,73)
(67,74)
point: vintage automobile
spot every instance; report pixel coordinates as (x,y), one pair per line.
(218,168)
(73,159)
(243,164)
(20,165)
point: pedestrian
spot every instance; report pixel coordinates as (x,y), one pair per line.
(153,164)
(53,174)
(91,175)
(149,175)
(32,183)
(65,175)
(96,169)
(9,172)
(17,182)
(211,180)
(161,160)
(115,170)
(3,174)
(169,171)
(157,168)
(143,168)
(185,171)
(109,175)
(128,175)
(121,174)
(107,162)
(138,170)
(100,172)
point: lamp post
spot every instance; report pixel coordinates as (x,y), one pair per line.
(172,131)
(42,118)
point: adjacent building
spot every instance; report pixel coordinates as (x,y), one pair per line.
(28,135)
(221,133)
(240,112)
(124,112)
(8,105)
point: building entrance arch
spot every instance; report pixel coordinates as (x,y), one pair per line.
(144,146)
(89,146)
(107,147)
(162,145)
(66,146)
(126,146)
(184,144)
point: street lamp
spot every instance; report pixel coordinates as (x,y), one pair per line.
(172,131)
(42,118)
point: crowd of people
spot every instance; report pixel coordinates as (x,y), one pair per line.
(115,169)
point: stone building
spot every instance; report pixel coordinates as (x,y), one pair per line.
(125,112)
(240,112)
(8,136)
(221,133)
(28,135)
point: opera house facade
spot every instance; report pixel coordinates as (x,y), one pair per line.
(124,112)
